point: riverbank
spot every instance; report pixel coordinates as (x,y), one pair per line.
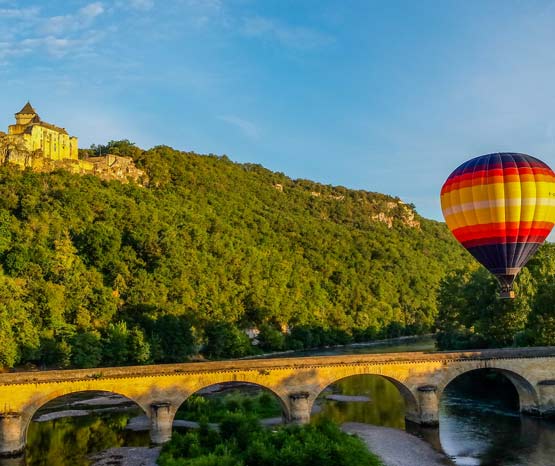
(127,456)
(428,340)
(396,447)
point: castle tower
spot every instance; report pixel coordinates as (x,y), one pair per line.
(39,136)
(25,115)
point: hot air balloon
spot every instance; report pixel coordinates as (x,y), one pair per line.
(500,207)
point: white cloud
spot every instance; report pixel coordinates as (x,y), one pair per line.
(291,36)
(26,30)
(18,13)
(248,128)
(54,46)
(92,10)
(80,20)
(5,50)
(57,47)
(57,24)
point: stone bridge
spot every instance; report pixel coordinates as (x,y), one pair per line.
(160,390)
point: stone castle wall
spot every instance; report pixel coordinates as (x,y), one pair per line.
(43,147)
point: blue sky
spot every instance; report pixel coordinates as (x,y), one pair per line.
(387,96)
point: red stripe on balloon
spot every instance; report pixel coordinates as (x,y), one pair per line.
(509,232)
(483,177)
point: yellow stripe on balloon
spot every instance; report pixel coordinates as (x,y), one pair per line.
(481,193)
(545,201)
(488,214)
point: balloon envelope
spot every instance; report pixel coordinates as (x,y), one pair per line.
(500,207)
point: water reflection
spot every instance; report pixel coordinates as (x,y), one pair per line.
(480,425)
(69,441)
(54,438)
(385,406)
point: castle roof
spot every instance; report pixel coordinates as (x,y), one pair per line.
(27,110)
(29,128)
(50,126)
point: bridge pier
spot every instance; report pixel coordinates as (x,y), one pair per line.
(299,407)
(546,390)
(12,440)
(429,405)
(161,421)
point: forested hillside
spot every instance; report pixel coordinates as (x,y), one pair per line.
(97,272)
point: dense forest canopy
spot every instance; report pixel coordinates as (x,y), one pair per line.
(96,272)
(472,315)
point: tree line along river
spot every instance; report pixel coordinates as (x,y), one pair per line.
(479,419)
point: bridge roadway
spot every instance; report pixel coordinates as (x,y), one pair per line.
(161,389)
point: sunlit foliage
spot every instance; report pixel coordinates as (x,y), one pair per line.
(103,273)
(241,441)
(473,316)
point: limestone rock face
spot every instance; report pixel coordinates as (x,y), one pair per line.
(108,167)
(115,167)
(397,211)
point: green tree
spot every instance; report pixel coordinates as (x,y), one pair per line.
(174,337)
(86,349)
(139,347)
(242,441)
(225,340)
(472,315)
(116,344)
(271,338)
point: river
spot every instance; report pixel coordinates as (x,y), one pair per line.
(474,429)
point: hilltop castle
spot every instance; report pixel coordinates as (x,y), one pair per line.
(34,135)
(44,147)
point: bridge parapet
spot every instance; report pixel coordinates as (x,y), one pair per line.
(267,364)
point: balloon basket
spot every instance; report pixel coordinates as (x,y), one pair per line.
(507,294)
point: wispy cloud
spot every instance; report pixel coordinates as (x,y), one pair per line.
(19,13)
(80,20)
(92,10)
(24,31)
(292,36)
(248,128)
(58,47)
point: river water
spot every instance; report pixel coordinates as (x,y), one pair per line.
(474,429)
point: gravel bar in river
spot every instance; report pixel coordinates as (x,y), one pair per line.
(396,447)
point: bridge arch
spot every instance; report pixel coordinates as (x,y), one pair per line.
(411,404)
(282,399)
(527,394)
(30,410)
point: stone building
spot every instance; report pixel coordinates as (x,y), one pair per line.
(44,147)
(116,167)
(35,135)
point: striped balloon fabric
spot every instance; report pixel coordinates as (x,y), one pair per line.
(500,207)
